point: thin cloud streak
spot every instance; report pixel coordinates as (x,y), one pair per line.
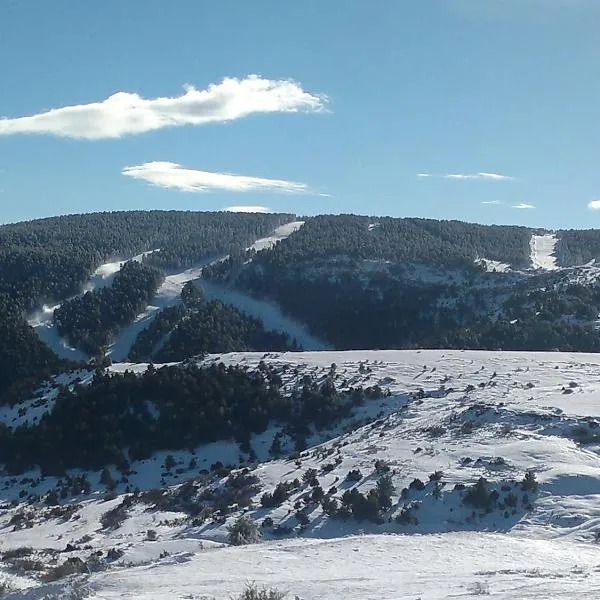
(173,175)
(494,202)
(523,206)
(248,209)
(126,113)
(482,176)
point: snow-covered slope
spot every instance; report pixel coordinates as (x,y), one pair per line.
(168,295)
(280,233)
(447,418)
(542,251)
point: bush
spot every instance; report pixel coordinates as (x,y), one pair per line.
(113,518)
(385,489)
(529,483)
(479,495)
(70,567)
(310,477)
(417,484)
(354,475)
(244,531)
(253,592)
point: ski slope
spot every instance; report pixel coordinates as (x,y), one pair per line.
(542,252)
(280,233)
(168,295)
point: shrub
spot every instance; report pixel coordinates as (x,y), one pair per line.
(417,484)
(529,483)
(310,477)
(385,489)
(70,567)
(113,518)
(381,467)
(479,495)
(244,531)
(354,475)
(253,592)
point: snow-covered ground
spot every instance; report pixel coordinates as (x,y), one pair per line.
(371,568)
(280,233)
(493,266)
(542,251)
(464,414)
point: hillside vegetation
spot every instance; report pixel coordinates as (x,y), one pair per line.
(48,260)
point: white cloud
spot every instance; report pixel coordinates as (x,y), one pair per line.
(523,205)
(491,202)
(594,205)
(172,175)
(483,176)
(126,113)
(248,209)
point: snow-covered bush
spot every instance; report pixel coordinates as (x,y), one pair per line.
(244,531)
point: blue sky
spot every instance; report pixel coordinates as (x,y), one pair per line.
(353,103)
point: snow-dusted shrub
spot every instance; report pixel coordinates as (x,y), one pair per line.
(113,518)
(253,592)
(70,567)
(244,531)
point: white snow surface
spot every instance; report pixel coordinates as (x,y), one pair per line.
(493,266)
(280,233)
(542,251)
(468,414)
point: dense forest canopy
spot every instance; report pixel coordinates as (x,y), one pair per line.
(90,321)
(403,240)
(577,246)
(122,417)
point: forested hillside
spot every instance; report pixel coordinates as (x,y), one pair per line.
(444,243)
(362,282)
(196,327)
(89,322)
(48,260)
(577,246)
(125,415)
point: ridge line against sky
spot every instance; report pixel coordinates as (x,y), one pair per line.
(494,99)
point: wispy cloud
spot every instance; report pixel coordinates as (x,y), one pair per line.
(594,205)
(126,113)
(482,176)
(523,205)
(172,175)
(495,202)
(248,209)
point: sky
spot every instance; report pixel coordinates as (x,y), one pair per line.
(478,110)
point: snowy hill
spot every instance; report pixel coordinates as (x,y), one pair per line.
(444,419)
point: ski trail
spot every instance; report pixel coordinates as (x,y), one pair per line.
(542,251)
